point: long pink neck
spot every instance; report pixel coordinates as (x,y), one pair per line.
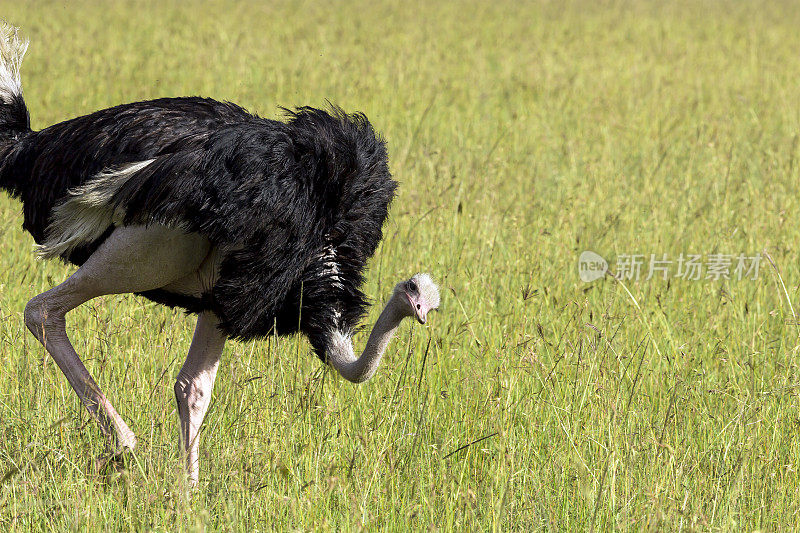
(340,353)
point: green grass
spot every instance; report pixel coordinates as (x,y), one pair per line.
(521,135)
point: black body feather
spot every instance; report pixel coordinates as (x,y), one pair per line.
(298,205)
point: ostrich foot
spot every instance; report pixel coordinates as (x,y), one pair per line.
(111,466)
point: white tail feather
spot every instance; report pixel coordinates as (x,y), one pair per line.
(12,50)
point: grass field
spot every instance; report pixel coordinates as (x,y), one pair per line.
(522,135)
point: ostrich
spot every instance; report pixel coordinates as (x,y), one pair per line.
(257,226)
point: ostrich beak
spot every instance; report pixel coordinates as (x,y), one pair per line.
(420,311)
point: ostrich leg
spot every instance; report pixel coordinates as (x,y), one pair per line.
(132,259)
(194,385)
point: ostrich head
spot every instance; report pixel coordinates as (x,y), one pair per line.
(421,294)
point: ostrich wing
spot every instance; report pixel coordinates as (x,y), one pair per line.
(46,164)
(246,191)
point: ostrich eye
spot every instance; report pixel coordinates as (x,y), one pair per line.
(412,286)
